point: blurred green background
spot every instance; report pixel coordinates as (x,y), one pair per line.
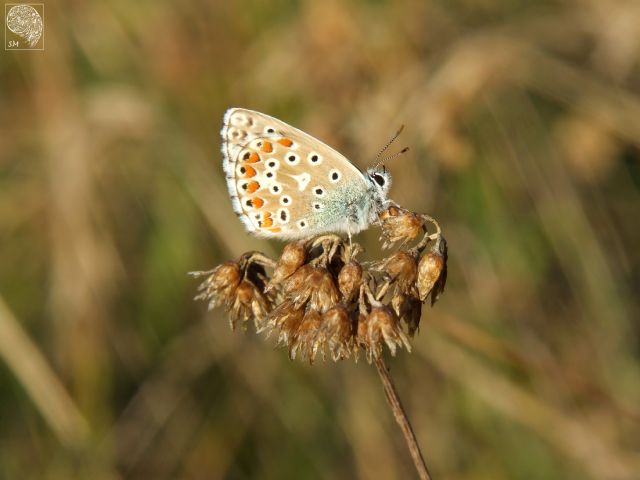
(523,120)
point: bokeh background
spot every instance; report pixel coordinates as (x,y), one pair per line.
(523,120)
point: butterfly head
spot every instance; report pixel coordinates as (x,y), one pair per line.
(381,180)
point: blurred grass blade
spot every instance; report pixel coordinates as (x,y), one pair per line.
(41,383)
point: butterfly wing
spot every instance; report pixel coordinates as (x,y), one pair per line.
(283,182)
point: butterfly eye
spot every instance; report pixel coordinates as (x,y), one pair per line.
(379,179)
(334,176)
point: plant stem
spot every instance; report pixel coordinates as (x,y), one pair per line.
(402,419)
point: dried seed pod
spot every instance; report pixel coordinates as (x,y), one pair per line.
(325,294)
(362,329)
(316,286)
(220,285)
(350,280)
(279,316)
(298,280)
(402,269)
(432,271)
(391,211)
(399,224)
(292,258)
(286,318)
(409,309)
(308,339)
(384,326)
(248,302)
(336,326)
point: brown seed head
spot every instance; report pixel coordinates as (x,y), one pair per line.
(362,330)
(220,285)
(336,326)
(291,259)
(299,303)
(400,225)
(298,280)
(248,302)
(314,285)
(325,294)
(384,326)
(349,280)
(286,318)
(432,272)
(401,267)
(409,309)
(308,339)
(388,212)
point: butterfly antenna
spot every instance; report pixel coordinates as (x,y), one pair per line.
(389,143)
(390,157)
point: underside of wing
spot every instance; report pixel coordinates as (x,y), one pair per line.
(280,178)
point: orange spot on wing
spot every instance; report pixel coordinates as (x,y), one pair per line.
(285,141)
(275,229)
(252,186)
(257,202)
(249,172)
(267,221)
(267,147)
(253,158)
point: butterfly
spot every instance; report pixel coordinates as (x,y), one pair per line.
(286,184)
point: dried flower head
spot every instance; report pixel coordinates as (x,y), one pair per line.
(220,284)
(432,271)
(400,225)
(402,269)
(409,310)
(239,287)
(324,293)
(286,320)
(384,326)
(248,302)
(320,300)
(350,280)
(362,329)
(338,332)
(298,280)
(314,285)
(291,259)
(307,338)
